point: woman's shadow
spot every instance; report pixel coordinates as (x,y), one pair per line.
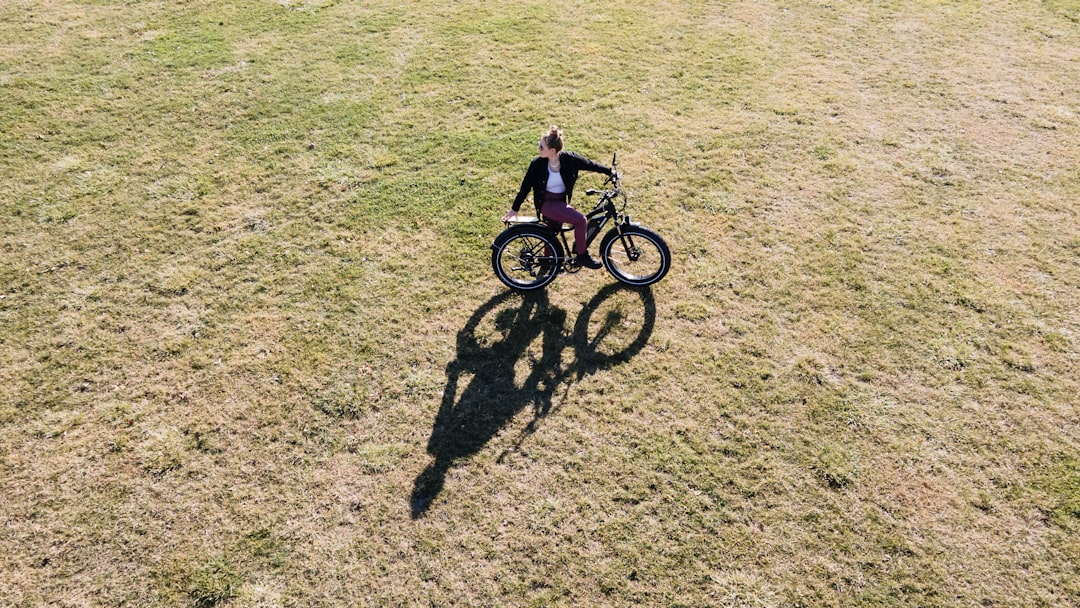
(496,342)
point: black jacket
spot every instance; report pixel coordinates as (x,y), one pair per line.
(536,177)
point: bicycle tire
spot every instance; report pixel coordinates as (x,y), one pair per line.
(638,256)
(526,257)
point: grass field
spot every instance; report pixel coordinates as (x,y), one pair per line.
(252,352)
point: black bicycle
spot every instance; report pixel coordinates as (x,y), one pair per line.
(532,251)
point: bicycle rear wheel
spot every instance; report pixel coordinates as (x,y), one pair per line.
(526,258)
(638,256)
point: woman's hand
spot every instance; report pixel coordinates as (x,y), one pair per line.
(510,216)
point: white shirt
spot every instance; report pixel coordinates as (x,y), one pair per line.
(555,184)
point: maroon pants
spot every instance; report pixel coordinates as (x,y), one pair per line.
(556,209)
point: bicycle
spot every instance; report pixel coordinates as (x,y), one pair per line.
(531,251)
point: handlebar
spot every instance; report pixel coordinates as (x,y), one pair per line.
(612,179)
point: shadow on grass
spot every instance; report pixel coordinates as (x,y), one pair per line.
(613,327)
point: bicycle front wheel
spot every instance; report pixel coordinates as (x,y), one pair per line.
(526,259)
(638,256)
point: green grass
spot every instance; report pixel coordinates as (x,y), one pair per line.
(252,351)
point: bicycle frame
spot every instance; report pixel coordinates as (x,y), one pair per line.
(603,212)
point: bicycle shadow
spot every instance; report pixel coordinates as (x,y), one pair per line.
(492,348)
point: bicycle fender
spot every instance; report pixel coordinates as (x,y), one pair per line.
(517,229)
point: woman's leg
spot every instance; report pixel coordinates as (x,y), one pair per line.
(561,212)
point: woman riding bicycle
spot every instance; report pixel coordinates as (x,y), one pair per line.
(551,177)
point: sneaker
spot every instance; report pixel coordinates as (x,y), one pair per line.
(586,260)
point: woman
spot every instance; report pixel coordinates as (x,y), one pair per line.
(551,177)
